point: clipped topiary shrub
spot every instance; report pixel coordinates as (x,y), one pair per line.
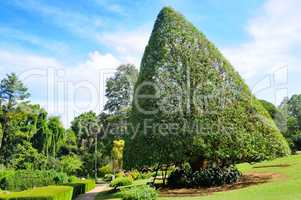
(191,105)
(78,189)
(139,193)
(121,181)
(25,179)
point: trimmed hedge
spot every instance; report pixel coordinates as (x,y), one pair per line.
(42,193)
(26,179)
(81,187)
(89,184)
(78,189)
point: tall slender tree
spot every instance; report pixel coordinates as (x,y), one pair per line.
(12,91)
(57,131)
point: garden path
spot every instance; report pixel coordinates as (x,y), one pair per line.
(93,193)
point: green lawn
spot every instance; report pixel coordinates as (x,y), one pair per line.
(286,188)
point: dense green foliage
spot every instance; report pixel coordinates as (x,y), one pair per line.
(191,105)
(277,115)
(204,177)
(107,169)
(292,111)
(43,193)
(119,88)
(70,164)
(139,193)
(121,181)
(30,139)
(288,119)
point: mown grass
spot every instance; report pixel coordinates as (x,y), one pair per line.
(286,188)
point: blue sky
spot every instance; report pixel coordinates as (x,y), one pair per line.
(64,50)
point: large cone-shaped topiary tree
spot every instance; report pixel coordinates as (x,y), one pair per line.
(191,105)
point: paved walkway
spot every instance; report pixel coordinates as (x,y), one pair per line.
(93,193)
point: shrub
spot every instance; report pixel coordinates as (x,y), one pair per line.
(120,174)
(139,193)
(146,175)
(72,179)
(70,164)
(205,177)
(121,181)
(104,170)
(43,193)
(134,174)
(108,177)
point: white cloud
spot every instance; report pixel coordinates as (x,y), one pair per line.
(20,61)
(63,90)
(129,45)
(98,60)
(274,37)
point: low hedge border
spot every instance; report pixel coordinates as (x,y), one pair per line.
(42,193)
(89,184)
(78,189)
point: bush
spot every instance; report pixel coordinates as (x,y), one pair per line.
(139,193)
(70,164)
(134,174)
(26,179)
(146,175)
(120,174)
(43,193)
(121,181)
(72,179)
(105,170)
(206,177)
(108,177)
